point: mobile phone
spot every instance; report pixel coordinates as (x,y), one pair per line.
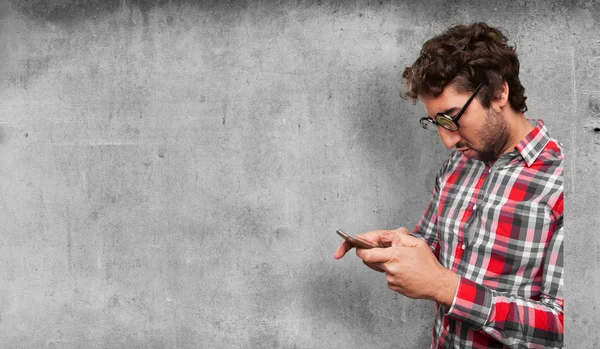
(356,241)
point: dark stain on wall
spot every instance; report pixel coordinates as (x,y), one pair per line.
(594,107)
(69,10)
(28,69)
(56,10)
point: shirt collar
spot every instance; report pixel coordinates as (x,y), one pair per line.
(533,144)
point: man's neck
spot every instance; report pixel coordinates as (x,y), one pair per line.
(518,127)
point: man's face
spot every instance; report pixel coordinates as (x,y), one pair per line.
(483,133)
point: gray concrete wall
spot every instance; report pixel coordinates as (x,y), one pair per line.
(172,173)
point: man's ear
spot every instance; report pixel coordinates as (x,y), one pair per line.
(501,98)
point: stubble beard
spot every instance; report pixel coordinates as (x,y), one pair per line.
(494,137)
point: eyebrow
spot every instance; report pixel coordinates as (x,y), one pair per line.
(448,112)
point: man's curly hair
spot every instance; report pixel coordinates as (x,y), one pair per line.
(465,56)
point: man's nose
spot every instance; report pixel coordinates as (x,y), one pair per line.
(449,138)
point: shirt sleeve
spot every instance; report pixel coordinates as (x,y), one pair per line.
(426,229)
(517,321)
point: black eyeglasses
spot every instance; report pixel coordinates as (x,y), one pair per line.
(446,121)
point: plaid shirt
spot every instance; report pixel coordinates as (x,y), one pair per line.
(500,228)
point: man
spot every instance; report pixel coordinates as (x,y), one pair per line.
(488,249)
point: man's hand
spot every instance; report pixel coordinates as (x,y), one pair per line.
(384,238)
(411,267)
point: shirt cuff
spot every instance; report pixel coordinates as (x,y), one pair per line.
(417,235)
(472,304)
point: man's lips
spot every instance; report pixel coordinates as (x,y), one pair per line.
(468,152)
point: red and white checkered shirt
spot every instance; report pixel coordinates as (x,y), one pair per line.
(499,226)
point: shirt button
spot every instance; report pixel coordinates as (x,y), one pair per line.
(474,207)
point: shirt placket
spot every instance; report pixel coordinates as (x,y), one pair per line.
(446,326)
(463,238)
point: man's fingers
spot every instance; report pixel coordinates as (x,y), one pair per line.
(406,240)
(385,238)
(397,240)
(375,255)
(342,250)
(374,267)
(379,237)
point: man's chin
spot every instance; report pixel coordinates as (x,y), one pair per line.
(477,155)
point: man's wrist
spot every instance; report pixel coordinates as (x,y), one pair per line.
(446,288)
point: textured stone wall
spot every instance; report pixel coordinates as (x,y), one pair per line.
(172,172)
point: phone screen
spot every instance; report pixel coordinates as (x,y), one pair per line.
(356,241)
